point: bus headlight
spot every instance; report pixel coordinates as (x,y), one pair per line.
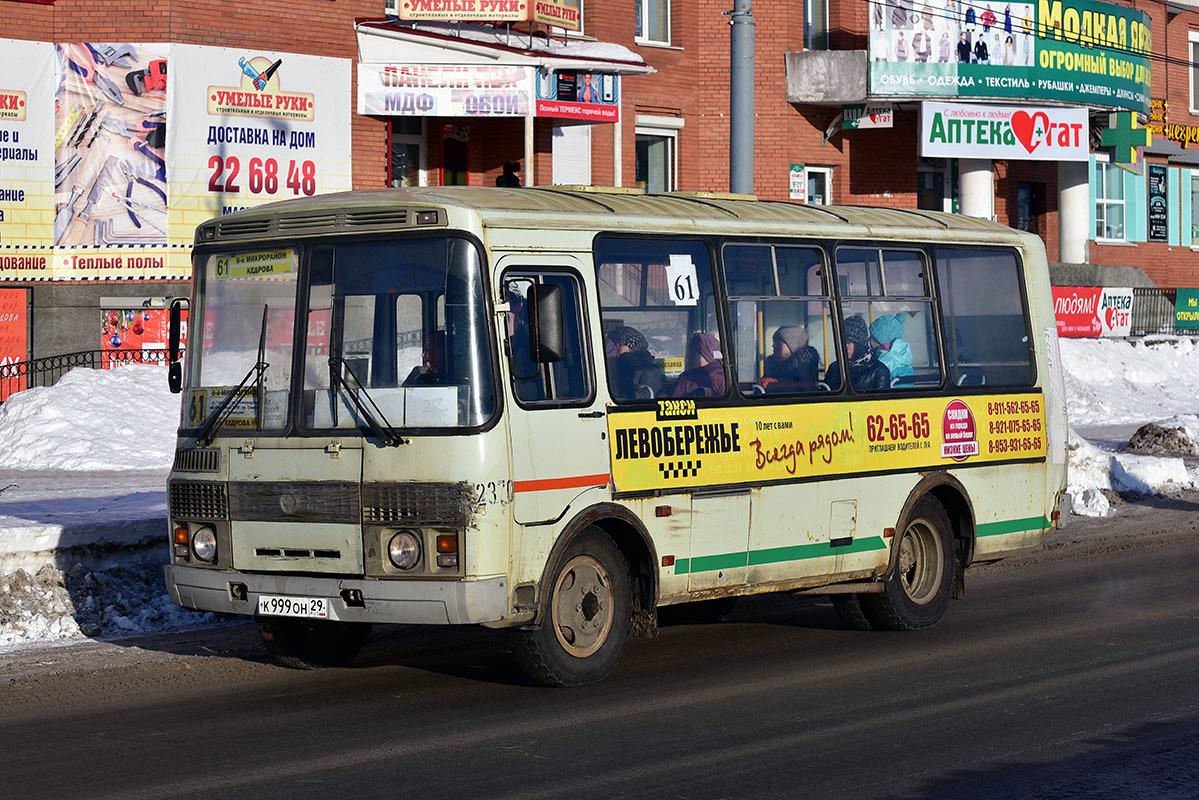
(204,544)
(404,550)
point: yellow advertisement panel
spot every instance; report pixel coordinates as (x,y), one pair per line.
(681,445)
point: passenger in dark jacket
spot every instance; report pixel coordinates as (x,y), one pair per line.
(633,373)
(865,371)
(705,369)
(794,366)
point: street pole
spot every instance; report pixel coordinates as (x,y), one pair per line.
(741,98)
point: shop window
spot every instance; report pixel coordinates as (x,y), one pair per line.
(1109,201)
(930,191)
(657,153)
(820,185)
(652,23)
(1195,209)
(407,152)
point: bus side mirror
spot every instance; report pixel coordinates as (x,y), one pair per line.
(174,335)
(549,335)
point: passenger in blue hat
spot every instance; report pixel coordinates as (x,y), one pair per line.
(886,335)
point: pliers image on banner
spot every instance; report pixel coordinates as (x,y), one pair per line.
(154,132)
(132,176)
(86,67)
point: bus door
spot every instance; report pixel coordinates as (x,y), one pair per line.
(556,425)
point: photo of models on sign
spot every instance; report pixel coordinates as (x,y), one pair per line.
(946,31)
(1079,51)
(110,178)
(682,445)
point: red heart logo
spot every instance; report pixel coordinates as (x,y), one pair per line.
(1025,127)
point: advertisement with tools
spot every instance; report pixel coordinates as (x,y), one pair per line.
(682,445)
(112,153)
(26,158)
(253,127)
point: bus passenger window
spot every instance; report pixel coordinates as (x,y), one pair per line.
(987,340)
(658,313)
(780,315)
(887,313)
(559,382)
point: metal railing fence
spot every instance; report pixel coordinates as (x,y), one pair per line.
(47,371)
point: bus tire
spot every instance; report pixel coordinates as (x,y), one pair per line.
(587,616)
(918,592)
(853,612)
(312,644)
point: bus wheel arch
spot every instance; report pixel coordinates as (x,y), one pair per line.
(633,541)
(933,543)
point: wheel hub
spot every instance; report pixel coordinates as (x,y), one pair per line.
(582,606)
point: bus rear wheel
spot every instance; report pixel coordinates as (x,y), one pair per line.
(312,644)
(918,593)
(587,617)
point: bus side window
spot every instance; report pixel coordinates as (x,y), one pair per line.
(559,382)
(986,323)
(890,292)
(656,301)
(780,316)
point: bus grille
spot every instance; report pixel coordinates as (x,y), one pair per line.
(198,500)
(203,460)
(287,501)
(447,504)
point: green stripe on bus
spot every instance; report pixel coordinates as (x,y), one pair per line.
(1013,526)
(775,555)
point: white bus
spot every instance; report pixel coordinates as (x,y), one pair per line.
(559,410)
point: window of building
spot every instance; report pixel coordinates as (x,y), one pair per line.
(888,291)
(820,185)
(407,152)
(657,153)
(815,28)
(1109,201)
(652,23)
(986,327)
(1195,209)
(780,316)
(1193,45)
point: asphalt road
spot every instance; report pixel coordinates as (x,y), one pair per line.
(1069,673)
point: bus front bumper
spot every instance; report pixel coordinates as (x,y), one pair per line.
(383,601)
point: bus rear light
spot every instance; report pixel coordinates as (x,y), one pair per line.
(663,511)
(181,535)
(888,533)
(447,543)
(1055,515)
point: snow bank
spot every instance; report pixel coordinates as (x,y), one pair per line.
(92,419)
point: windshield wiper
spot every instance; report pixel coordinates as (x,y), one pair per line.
(205,435)
(382,431)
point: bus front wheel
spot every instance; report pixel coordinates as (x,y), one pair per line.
(918,593)
(312,644)
(587,617)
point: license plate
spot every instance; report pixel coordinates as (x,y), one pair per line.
(276,606)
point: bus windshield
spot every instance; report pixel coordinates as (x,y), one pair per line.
(396,337)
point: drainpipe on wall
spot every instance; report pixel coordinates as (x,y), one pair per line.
(741,98)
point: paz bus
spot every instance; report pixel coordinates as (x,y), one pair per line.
(558,410)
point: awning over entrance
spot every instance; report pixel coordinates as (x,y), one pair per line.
(470,70)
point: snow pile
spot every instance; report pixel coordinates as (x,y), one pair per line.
(1094,470)
(118,599)
(1113,381)
(92,419)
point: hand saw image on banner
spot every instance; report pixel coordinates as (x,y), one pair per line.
(110,180)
